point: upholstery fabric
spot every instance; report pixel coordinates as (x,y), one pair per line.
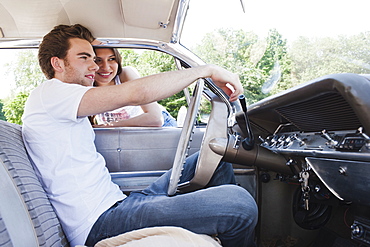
(16,161)
(161,237)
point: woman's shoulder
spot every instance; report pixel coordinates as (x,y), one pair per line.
(128,73)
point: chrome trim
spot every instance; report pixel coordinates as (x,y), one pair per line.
(179,21)
(137,174)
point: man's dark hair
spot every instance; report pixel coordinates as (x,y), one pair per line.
(56,44)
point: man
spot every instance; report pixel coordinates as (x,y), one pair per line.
(60,140)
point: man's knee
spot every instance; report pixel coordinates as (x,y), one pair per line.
(239,200)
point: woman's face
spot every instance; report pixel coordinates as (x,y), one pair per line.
(108,66)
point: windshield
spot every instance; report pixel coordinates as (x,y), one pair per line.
(272,46)
(276,45)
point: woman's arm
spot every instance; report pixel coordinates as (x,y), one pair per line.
(128,74)
(151,117)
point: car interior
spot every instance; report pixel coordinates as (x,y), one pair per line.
(303,153)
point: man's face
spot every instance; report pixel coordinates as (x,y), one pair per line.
(79,65)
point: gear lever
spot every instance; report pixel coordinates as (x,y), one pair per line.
(248,142)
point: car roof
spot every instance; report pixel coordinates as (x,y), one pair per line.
(159,20)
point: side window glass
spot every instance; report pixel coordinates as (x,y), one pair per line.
(149,62)
(20,73)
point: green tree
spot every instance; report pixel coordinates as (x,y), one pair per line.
(152,62)
(2,116)
(14,108)
(28,75)
(312,58)
(149,62)
(265,65)
(275,64)
(27,72)
(257,61)
(129,57)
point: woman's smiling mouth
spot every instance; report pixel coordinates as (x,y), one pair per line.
(104,75)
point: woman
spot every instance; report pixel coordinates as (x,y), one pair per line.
(110,73)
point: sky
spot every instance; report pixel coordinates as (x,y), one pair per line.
(291,18)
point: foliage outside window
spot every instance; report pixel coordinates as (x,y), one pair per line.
(265,65)
(14,109)
(2,116)
(153,62)
(273,64)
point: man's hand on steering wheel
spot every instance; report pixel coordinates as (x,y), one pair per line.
(227,81)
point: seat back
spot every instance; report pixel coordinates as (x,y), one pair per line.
(26,215)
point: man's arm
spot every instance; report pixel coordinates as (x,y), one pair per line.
(151,88)
(152,113)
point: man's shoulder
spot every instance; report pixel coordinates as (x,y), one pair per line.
(58,86)
(47,83)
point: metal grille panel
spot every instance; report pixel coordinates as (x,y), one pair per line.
(329,111)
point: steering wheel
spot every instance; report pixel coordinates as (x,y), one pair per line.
(207,160)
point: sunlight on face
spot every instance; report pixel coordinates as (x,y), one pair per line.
(79,65)
(108,66)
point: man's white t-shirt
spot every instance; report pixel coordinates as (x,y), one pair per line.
(62,148)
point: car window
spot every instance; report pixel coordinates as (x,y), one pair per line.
(273,46)
(21,73)
(150,62)
(276,45)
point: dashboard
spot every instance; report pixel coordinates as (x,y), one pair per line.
(320,126)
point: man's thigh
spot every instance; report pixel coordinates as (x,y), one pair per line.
(203,211)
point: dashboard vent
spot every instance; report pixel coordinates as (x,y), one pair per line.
(329,111)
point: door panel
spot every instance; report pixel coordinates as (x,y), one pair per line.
(130,149)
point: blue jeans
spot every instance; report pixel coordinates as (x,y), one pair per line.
(168,120)
(222,208)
